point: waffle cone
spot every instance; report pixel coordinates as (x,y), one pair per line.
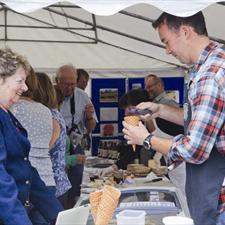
(133,120)
(108,204)
(94,199)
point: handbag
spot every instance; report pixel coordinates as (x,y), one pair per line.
(76,136)
(86,141)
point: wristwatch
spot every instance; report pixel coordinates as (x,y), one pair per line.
(147,142)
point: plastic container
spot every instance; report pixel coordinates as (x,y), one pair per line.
(177,220)
(131,217)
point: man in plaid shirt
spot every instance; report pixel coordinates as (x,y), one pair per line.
(203,115)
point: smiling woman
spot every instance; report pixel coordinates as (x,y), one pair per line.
(12,87)
(13,72)
(19,181)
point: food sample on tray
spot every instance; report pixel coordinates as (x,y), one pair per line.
(138,170)
(131,167)
(153,164)
(93,177)
(160,170)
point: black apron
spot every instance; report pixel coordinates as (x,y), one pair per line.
(203,182)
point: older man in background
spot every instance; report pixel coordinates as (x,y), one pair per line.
(84,116)
(155,87)
(78,112)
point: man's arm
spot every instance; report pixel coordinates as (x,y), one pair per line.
(170,113)
(90,122)
(150,125)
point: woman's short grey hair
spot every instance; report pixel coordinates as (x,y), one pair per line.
(10,62)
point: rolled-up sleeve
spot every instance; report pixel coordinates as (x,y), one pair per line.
(207,103)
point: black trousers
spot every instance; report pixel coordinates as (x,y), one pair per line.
(64,200)
(75,174)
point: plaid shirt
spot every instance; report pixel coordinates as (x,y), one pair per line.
(207,98)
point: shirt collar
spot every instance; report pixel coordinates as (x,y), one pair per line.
(159,97)
(70,96)
(202,58)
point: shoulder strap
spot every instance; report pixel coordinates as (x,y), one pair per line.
(72,108)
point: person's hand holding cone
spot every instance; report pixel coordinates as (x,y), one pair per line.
(132,120)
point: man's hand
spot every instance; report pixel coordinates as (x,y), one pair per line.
(108,170)
(166,112)
(80,158)
(90,120)
(135,134)
(153,107)
(89,111)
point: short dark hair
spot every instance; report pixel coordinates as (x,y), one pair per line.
(82,72)
(156,79)
(197,21)
(133,98)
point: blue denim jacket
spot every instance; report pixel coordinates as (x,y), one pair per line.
(19,181)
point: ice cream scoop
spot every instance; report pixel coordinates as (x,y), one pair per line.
(135,111)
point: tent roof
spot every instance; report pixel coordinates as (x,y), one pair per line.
(109,7)
(65,33)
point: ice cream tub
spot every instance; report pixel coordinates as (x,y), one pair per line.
(131,217)
(177,220)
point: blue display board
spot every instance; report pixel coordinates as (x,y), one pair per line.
(105,94)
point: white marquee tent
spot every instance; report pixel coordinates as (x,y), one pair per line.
(105,36)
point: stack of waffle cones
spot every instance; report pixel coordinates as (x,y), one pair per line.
(94,199)
(103,204)
(132,120)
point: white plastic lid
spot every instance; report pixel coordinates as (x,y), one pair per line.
(177,220)
(131,214)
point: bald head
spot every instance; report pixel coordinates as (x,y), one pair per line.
(154,86)
(66,79)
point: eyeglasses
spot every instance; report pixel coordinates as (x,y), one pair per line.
(68,84)
(151,86)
